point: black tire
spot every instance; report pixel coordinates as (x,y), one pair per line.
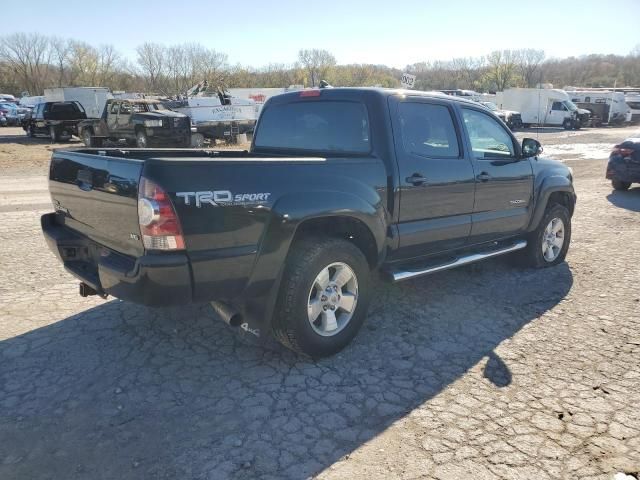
(29,131)
(53,134)
(141,139)
(307,258)
(531,255)
(621,186)
(567,124)
(87,138)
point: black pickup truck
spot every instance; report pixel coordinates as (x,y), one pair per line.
(283,238)
(56,120)
(143,123)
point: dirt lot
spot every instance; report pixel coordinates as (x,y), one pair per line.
(483,372)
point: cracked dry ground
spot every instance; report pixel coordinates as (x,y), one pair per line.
(484,372)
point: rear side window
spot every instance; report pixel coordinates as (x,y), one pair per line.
(326,126)
(65,111)
(428,130)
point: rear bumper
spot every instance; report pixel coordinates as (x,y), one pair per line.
(623,171)
(153,280)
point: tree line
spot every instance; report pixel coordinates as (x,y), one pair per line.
(31,62)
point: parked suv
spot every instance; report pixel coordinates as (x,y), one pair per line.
(283,238)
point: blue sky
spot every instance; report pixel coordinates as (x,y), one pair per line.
(257,32)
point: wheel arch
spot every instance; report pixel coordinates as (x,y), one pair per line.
(294,216)
(554,189)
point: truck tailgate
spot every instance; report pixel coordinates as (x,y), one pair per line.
(96,195)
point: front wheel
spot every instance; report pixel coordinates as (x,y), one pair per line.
(548,244)
(567,124)
(89,140)
(618,185)
(323,297)
(141,139)
(53,134)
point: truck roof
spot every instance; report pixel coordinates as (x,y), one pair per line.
(383,92)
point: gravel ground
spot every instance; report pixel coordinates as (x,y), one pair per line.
(482,372)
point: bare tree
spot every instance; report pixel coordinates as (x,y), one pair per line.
(151,57)
(29,55)
(529,63)
(317,63)
(468,71)
(61,50)
(502,67)
(107,64)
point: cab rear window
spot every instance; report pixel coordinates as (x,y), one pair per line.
(321,126)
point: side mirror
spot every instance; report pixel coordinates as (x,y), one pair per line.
(531,148)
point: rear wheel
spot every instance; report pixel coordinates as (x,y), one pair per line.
(197,140)
(323,297)
(618,185)
(548,244)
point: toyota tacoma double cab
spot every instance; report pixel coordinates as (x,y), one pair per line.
(140,123)
(283,238)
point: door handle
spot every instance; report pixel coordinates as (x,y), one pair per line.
(416,179)
(483,177)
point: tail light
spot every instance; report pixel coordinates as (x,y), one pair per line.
(310,93)
(159,224)
(624,152)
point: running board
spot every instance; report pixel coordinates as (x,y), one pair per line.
(399,275)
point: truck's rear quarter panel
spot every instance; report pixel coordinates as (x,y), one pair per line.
(224,240)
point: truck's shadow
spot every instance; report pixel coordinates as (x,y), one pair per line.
(120,391)
(629,200)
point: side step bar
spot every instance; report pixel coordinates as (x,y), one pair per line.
(399,275)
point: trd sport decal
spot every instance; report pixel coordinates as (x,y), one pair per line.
(220,198)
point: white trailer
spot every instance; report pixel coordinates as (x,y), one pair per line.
(609,106)
(540,106)
(92,99)
(633,100)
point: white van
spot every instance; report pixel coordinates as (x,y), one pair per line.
(541,106)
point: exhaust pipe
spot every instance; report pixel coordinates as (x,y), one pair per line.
(229,314)
(87,291)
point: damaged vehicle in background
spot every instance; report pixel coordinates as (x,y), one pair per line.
(140,123)
(511,118)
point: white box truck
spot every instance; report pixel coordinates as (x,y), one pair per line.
(606,106)
(92,99)
(541,106)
